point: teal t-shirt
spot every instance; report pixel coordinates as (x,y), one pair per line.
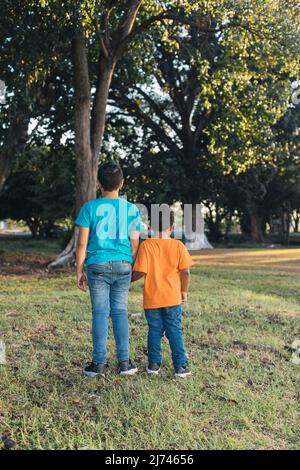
(110,222)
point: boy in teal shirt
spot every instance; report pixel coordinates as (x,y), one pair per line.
(108,242)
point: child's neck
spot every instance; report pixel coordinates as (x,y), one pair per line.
(163,234)
(110,194)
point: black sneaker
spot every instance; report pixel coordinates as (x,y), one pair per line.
(182,372)
(127,368)
(93,369)
(153,368)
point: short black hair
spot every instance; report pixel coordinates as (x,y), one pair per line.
(110,175)
(162,218)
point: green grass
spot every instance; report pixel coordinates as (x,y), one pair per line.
(28,246)
(244,392)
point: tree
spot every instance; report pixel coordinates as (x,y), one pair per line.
(31,68)
(107,28)
(208,105)
(40,191)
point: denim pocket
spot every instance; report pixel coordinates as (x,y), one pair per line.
(124,272)
(122,269)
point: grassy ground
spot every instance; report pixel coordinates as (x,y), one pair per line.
(244,393)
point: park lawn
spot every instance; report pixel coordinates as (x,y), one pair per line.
(243,311)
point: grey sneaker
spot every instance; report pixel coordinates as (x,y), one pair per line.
(127,368)
(182,372)
(93,369)
(153,368)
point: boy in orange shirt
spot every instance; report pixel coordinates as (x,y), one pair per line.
(165,263)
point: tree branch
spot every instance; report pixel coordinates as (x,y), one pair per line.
(125,26)
(158,130)
(159,112)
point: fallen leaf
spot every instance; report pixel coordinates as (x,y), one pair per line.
(228,400)
(8,443)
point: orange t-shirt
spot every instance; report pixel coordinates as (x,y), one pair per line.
(161,259)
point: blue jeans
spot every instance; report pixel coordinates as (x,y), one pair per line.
(166,320)
(109,285)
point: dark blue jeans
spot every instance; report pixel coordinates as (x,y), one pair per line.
(109,285)
(166,320)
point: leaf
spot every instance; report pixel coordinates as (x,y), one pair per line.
(8,443)
(228,400)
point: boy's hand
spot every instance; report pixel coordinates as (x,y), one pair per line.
(183,298)
(81,281)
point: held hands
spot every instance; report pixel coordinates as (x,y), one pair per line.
(81,281)
(183,298)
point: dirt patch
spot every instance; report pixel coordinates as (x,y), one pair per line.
(17,264)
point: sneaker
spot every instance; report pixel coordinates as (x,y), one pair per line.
(93,369)
(153,368)
(182,372)
(127,368)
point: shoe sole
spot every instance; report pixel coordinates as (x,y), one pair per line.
(92,374)
(129,372)
(183,376)
(153,372)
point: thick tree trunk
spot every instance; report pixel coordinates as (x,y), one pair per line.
(34,227)
(256,227)
(85,175)
(106,70)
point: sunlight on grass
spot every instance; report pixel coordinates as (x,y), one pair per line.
(287,258)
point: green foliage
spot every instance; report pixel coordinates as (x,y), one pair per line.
(41,189)
(197,105)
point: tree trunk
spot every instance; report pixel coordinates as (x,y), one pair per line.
(85,176)
(296,220)
(67,256)
(4,169)
(285,227)
(106,70)
(228,222)
(34,226)
(256,227)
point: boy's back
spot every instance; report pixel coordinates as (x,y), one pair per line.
(161,259)
(110,221)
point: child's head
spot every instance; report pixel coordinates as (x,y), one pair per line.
(110,176)
(163,222)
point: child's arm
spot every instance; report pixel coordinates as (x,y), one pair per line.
(134,242)
(140,266)
(136,275)
(80,257)
(185,281)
